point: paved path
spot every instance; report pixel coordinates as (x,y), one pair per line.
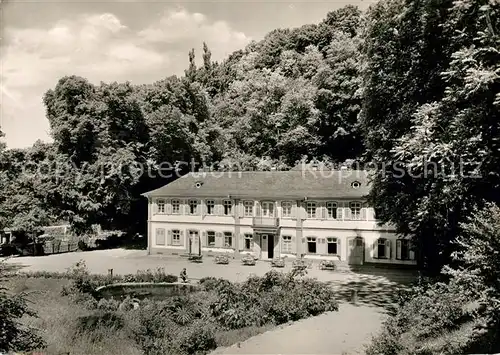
(129,261)
(344,332)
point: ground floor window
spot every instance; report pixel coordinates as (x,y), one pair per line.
(287,244)
(383,248)
(248,241)
(211,239)
(160,236)
(404,250)
(228,239)
(311,245)
(332,246)
(176,237)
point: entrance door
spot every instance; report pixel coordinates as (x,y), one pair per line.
(270,246)
(194,243)
(355,251)
(264,246)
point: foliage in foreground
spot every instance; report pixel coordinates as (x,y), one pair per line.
(458,317)
(192,324)
(14,336)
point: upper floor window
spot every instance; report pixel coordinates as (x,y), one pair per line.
(267,209)
(355,210)
(286,209)
(331,208)
(176,206)
(161,206)
(311,209)
(210,206)
(228,207)
(248,208)
(193,206)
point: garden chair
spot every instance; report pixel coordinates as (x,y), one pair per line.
(278,262)
(221,259)
(248,260)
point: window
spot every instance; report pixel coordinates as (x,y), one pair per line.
(160,236)
(176,207)
(355,184)
(248,241)
(193,206)
(311,209)
(228,207)
(267,209)
(161,206)
(287,244)
(355,210)
(210,206)
(311,245)
(404,250)
(332,247)
(381,248)
(286,209)
(228,239)
(176,237)
(248,208)
(331,208)
(211,239)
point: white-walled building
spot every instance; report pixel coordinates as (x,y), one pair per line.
(316,213)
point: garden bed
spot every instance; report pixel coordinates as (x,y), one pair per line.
(219,314)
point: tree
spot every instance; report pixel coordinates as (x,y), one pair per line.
(101,138)
(430,117)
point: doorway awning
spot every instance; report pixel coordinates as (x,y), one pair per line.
(266,230)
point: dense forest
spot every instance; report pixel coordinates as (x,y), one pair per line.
(409,86)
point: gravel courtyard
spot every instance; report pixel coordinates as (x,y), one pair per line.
(342,332)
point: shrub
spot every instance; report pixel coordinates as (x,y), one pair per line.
(96,325)
(276,297)
(213,283)
(82,245)
(199,337)
(13,335)
(461,315)
(108,305)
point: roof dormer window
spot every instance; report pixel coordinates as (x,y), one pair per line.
(355,184)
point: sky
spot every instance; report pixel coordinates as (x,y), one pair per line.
(136,41)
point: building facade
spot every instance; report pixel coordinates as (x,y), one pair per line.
(316,214)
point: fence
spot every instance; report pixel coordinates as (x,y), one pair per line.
(59,246)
